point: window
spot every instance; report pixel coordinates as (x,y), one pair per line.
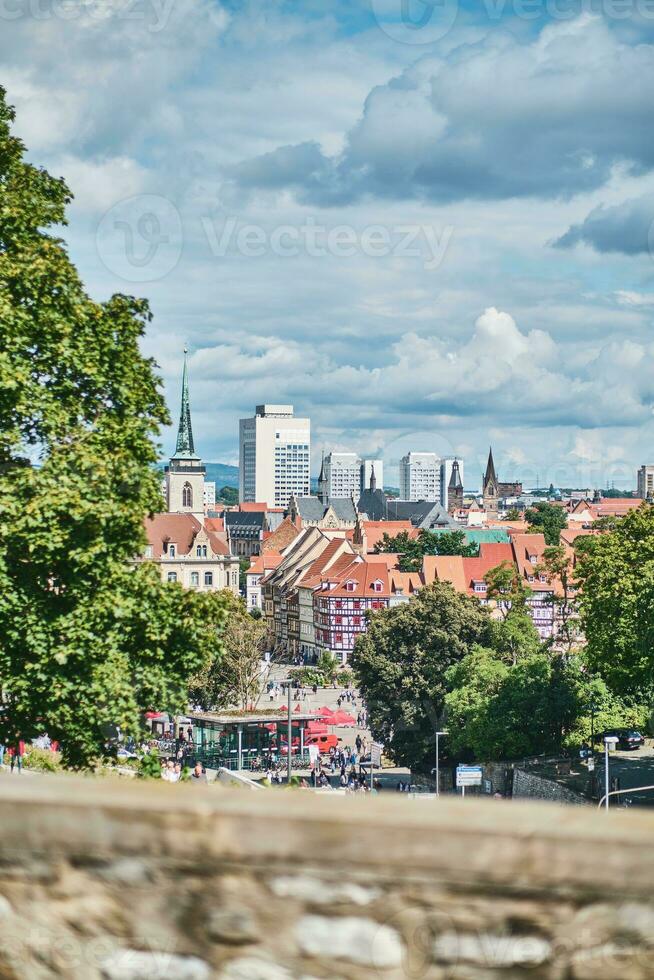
(542,578)
(377,604)
(172,576)
(338,603)
(195,578)
(338,620)
(338,637)
(148,551)
(208,578)
(480,586)
(201,551)
(356,603)
(171,550)
(377,586)
(356,620)
(187,495)
(533,559)
(530,578)
(350,586)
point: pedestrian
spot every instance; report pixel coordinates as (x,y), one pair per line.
(16,752)
(198,775)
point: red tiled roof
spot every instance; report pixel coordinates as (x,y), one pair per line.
(264,563)
(181,530)
(252,507)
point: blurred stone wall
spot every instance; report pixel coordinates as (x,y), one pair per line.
(101,878)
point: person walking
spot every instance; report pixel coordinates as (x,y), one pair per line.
(16,752)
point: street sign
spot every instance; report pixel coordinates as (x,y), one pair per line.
(375,755)
(468,776)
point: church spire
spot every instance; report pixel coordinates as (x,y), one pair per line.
(490,476)
(455,477)
(323,492)
(185,445)
(373,479)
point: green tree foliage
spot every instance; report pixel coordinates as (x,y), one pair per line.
(548,519)
(228,495)
(401,662)
(615,572)
(232,678)
(411,551)
(514,634)
(540,705)
(87,644)
(497,711)
(513,514)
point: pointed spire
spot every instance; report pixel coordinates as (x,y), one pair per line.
(184,445)
(455,477)
(373,478)
(322,481)
(490,469)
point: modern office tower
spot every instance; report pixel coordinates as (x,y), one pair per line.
(343,475)
(447,463)
(420,477)
(646,482)
(274,456)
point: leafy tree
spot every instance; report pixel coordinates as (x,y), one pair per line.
(513,514)
(557,564)
(401,662)
(411,550)
(233,677)
(540,705)
(454,543)
(498,712)
(228,495)
(328,666)
(87,644)
(514,635)
(548,519)
(615,573)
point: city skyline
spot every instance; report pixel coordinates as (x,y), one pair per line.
(466,292)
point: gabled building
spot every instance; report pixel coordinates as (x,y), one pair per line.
(188,547)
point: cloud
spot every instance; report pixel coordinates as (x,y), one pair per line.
(496,119)
(627,228)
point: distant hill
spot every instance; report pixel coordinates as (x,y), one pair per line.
(222,474)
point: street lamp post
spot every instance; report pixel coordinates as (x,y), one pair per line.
(438,734)
(289,736)
(610,741)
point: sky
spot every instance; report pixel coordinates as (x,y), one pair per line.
(426,225)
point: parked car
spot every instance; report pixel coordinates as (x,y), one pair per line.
(628,738)
(324,742)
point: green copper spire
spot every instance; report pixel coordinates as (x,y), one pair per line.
(185,432)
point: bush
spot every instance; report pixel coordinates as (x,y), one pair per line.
(41,760)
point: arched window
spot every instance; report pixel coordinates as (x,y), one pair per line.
(187,495)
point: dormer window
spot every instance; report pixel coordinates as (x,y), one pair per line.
(201,551)
(377,586)
(350,586)
(533,559)
(480,586)
(171,551)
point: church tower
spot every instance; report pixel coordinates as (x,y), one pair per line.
(185,473)
(455,489)
(490,490)
(323,488)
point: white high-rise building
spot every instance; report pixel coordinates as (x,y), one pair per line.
(646,482)
(342,472)
(446,472)
(420,477)
(274,456)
